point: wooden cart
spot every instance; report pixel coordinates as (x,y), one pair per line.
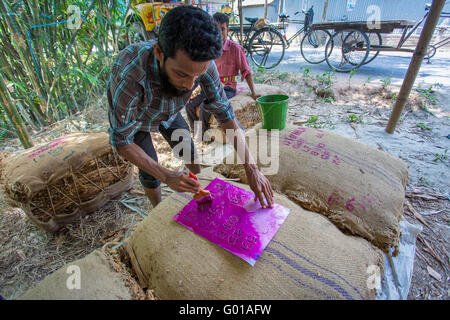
(355,43)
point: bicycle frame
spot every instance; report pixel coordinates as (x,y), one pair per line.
(247,29)
(301,30)
(289,41)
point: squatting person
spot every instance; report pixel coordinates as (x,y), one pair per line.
(152,81)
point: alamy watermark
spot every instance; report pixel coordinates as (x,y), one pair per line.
(263,146)
(374,278)
(374,19)
(73,282)
(74,20)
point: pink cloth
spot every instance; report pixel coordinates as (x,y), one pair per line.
(232,61)
(233,220)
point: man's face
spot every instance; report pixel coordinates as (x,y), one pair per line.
(179,73)
(224,28)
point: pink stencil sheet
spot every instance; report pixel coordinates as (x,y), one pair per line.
(234,221)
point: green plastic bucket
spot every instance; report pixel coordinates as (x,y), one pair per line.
(273,110)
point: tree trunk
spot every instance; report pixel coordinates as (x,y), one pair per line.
(416,62)
(279,10)
(325,8)
(265,9)
(240,23)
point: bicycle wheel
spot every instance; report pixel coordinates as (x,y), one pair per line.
(266,48)
(347,50)
(375,40)
(236,36)
(312,46)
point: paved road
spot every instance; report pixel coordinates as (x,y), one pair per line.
(387,64)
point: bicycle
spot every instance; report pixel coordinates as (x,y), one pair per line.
(261,41)
(313,42)
(266,45)
(248,31)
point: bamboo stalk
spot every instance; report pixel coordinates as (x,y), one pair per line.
(55,49)
(416,62)
(20,44)
(72,40)
(14,116)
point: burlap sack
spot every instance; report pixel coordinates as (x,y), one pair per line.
(97,281)
(309,258)
(360,189)
(58,182)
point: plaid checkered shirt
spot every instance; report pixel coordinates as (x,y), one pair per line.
(135,100)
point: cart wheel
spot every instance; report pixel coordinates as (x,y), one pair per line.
(347,50)
(430,52)
(266,47)
(374,40)
(313,46)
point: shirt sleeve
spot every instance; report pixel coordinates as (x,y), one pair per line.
(123,97)
(243,65)
(217,102)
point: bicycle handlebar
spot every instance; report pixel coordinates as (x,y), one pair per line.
(284,16)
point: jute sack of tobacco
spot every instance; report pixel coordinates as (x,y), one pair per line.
(360,189)
(94,277)
(308,258)
(58,182)
(245,107)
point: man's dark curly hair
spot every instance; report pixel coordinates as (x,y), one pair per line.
(221,18)
(193,30)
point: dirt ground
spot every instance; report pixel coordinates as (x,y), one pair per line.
(356,110)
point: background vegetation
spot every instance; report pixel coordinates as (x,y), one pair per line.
(52,63)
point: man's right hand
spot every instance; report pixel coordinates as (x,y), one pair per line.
(181,182)
(177,181)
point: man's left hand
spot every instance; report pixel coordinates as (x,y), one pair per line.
(255,96)
(260,186)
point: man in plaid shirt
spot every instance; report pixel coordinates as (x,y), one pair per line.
(152,81)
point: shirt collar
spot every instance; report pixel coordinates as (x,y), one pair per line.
(153,69)
(226,45)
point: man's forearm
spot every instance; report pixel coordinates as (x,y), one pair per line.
(251,86)
(139,158)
